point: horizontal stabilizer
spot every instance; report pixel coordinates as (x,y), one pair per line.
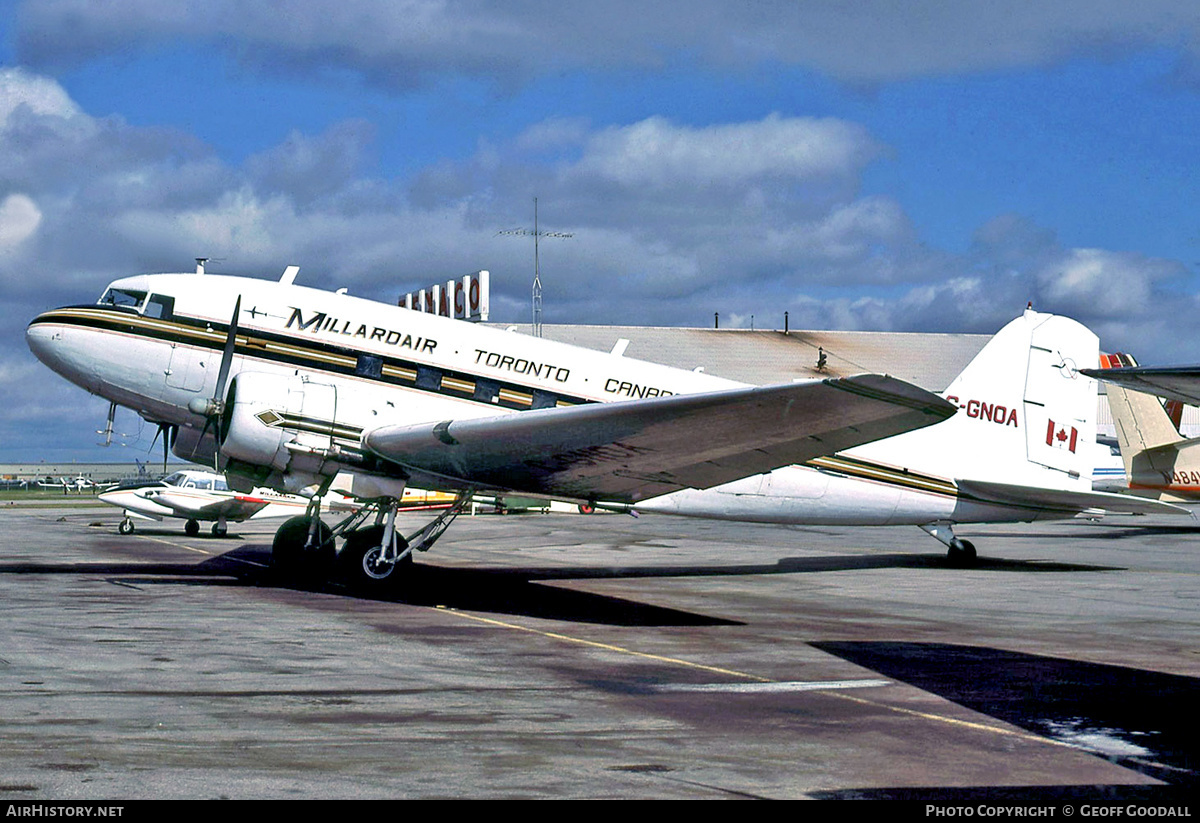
(631,450)
(1063,500)
(1181,383)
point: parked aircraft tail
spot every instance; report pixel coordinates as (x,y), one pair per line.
(1021,447)
(1026,417)
(1140,420)
(1159,461)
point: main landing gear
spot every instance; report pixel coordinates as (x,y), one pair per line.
(374,556)
(958,551)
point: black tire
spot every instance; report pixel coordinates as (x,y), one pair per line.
(191,528)
(126,527)
(961,553)
(355,564)
(219,531)
(292,559)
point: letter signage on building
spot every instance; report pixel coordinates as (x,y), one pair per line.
(465,299)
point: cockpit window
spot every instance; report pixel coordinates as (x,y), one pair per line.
(160,306)
(123,297)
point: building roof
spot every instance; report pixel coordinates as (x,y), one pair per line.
(931,361)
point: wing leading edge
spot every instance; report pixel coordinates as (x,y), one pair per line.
(629,451)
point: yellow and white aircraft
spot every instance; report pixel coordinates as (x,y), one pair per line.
(284,386)
(1160,463)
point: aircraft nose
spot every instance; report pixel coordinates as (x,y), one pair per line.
(42,340)
(54,344)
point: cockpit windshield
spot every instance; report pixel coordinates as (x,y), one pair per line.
(123,297)
(151,305)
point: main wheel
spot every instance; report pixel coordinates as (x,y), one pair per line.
(191,528)
(292,558)
(360,560)
(219,530)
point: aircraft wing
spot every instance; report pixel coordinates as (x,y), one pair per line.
(631,450)
(1181,383)
(1063,500)
(204,506)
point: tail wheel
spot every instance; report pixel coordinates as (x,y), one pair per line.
(961,553)
(360,561)
(292,557)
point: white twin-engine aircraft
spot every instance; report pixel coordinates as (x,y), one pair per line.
(196,496)
(284,386)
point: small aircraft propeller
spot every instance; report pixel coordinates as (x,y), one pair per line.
(167,432)
(212,408)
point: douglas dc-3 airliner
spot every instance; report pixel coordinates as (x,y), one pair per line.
(284,386)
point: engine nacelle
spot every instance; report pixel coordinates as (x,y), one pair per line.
(282,431)
(195,445)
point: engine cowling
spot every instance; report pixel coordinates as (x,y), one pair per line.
(282,431)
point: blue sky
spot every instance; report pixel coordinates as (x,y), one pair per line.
(921,166)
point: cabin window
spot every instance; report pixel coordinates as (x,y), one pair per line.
(544,400)
(369,365)
(486,391)
(430,379)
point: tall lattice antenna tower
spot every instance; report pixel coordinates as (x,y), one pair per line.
(537,234)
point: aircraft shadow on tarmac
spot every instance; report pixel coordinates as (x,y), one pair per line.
(515,590)
(1142,720)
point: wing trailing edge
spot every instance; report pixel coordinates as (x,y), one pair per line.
(631,450)
(1063,500)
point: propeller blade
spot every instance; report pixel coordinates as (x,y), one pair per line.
(227,355)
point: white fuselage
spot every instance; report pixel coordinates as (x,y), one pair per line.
(347,365)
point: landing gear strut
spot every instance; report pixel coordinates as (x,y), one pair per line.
(377,556)
(959,552)
(373,556)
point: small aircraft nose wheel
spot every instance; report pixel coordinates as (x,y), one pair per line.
(126,526)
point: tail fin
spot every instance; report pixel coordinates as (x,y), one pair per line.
(1026,415)
(1140,419)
